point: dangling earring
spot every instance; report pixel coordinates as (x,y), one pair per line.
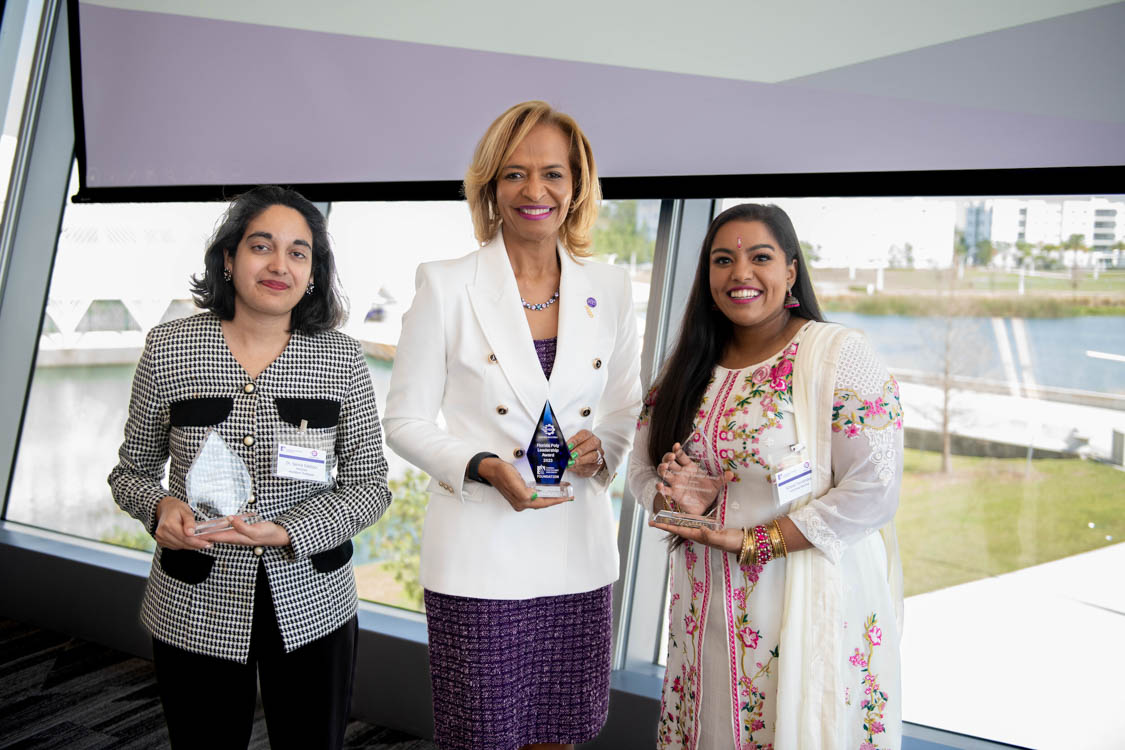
(226,274)
(310,287)
(790,300)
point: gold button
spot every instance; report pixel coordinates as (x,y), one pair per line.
(491,357)
(249,387)
(445,486)
(258,551)
(251,500)
(501,410)
(518,453)
(597,364)
(585,411)
(248,440)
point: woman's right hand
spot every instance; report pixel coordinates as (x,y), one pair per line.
(175,525)
(686,483)
(511,484)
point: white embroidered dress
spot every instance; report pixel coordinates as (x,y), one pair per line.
(725,622)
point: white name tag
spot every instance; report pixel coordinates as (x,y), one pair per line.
(794,482)
(298,462)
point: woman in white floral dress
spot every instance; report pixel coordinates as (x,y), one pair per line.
(801,652)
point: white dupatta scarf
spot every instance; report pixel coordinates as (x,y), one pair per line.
(810,694)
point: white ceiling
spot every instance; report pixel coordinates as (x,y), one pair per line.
(752,40)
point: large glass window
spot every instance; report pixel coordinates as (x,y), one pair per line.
(17,51)
(121,269)
(1010,355)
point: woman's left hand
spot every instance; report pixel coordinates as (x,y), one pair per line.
(260,534)
(727,540)
(586,453)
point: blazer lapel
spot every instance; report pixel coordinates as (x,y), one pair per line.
(496,303)
(578,327)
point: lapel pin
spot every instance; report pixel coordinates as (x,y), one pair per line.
(591,303)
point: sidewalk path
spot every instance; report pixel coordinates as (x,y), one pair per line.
(1051,425)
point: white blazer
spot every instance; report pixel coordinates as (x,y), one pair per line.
(466,351)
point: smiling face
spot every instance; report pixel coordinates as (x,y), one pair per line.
(534,188)
(749,275)
(272,266)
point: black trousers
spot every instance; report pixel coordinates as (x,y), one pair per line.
(209,702)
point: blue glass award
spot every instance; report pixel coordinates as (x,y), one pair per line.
(548,456)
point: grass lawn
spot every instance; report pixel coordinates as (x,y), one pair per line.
(378,585)
(986,518)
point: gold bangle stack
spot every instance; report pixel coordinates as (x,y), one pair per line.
(777,540)
(748,546)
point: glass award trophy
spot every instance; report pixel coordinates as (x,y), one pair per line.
(218,485)
(692,485)
(548,456)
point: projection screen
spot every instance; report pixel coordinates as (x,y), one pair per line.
(176,93)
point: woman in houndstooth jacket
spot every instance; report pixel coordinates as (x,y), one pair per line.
(273,600)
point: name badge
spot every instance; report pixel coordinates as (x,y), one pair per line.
(299,462)
(794,482)
(791,476)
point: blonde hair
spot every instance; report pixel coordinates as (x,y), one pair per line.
(501,139)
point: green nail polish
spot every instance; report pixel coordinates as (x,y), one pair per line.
(536,495)
(570,445)
(570,462)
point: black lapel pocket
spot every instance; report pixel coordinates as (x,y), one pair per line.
(332,559)
(200,412)
(319,412)
(186,565)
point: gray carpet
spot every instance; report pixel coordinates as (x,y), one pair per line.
(59,692)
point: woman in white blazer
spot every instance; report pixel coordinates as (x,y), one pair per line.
(518,587)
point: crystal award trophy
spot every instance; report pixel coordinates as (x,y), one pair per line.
(218,485)
(548,457)
(692,484)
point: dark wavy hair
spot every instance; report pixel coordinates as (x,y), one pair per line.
(706,332)
(323,310)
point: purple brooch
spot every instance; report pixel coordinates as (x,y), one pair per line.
(591,302)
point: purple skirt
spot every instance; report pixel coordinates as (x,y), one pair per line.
(508,673)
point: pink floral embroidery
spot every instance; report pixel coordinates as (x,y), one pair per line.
(749,637)
(679,702)
(771,386)
(852,414)
(750,701)
(875,700)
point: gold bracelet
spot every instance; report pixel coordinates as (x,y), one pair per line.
(775,548)
(746,547)
(780,540)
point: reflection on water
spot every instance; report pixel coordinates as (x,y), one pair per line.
(1057,347)
(74,425)
(75,415)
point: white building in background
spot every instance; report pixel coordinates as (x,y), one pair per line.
(1018,220)
(1051,221)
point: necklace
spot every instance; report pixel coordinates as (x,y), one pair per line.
(543,305)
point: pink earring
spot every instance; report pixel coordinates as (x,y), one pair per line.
(790,300)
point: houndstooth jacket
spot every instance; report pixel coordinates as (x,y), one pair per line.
(187,382)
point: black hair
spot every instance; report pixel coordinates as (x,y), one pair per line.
(706,332)
(323,310)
